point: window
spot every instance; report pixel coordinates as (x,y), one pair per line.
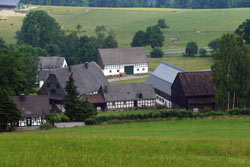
(48,85)
(143,69)
(53,91)
(57,85)
(137,69)
(118,70)
(110,71)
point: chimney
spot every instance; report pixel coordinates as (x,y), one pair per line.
(86,65)
(106,89)
(70,68)
(22,97)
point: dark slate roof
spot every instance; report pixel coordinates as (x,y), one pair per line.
(51,62)
(43,75)
(129,91)
(116,56)
(87,80)
(197,83)
(33,106)
(9,2)
(163,77)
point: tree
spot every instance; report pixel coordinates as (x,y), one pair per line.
(156,53)
(139,39)
(154,36)
(161,23)
(110,42)
(39,29)
(76,108)
(9,113)
(244,30)
(3,46)
(231,72)
(78,27)
(191,49)
(30,64)
(202,52)
(105,39)
(214,44)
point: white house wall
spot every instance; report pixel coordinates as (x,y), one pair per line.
(164,102)
(34,122)
(110,70)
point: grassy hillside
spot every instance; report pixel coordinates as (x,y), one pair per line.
(186,143)
(200,26)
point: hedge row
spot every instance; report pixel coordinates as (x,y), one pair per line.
(165,114)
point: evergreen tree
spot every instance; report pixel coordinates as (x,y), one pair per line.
(9,113)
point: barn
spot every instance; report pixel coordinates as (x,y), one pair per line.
(116,61)
(162,79)
(193,91)
(9,4)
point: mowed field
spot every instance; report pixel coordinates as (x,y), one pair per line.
(200,26)
(183,143)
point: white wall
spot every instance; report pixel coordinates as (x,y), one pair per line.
(35,122)
(164,102)
(140,68)
(65,64)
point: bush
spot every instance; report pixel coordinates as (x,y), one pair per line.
(202,52)
(191,49)
(156,53)
(55,118)
(46,126)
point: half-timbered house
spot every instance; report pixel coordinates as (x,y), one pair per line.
(193,91)
(162,79)
(88,79)
(9,4)
(34,109)
(123,60)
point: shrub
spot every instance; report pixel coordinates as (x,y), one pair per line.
(156,53)
(202,52)
(46,126)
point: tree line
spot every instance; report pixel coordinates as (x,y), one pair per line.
(195,4)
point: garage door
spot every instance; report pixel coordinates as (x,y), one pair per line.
(129,70)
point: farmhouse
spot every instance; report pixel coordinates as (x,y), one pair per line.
(9,4)
(116,61)
(88,79)
(162,79)
(193,91)
(48,63)
(33,109)
(128,96)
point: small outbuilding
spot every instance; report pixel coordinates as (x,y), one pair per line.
(116,61)
(9,4)
(34,109)
(193,91)
(162,79)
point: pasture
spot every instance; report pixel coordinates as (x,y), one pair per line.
(200,26)
(183,143)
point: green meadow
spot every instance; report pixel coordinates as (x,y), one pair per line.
(200,26)
(182,143)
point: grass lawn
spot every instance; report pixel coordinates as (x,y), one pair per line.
(200,26)
(185,143)
(130,80)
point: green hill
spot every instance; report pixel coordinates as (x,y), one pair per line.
(200,26)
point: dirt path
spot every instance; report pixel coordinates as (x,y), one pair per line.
(8,13)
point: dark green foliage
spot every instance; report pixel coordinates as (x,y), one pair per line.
(52,49)
(231,72)
(3,47)
(46,126)
(244,30)
(163,114)
(156,53)
(161,23)
(139,39)
(55,118)
(30,64)
(214,44)
(76,108)
(39,29)
(154,36)
(9,113)
(202,52)
(191,49)
(105,39)
(110,42)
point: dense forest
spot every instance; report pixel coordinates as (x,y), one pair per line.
(195,4)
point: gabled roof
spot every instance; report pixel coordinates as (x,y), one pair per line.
(33,106)
(197,83)
(163,77)
(129,91)
(9,2)
(51,62)
(94,99)
(116,56)
(88,77)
